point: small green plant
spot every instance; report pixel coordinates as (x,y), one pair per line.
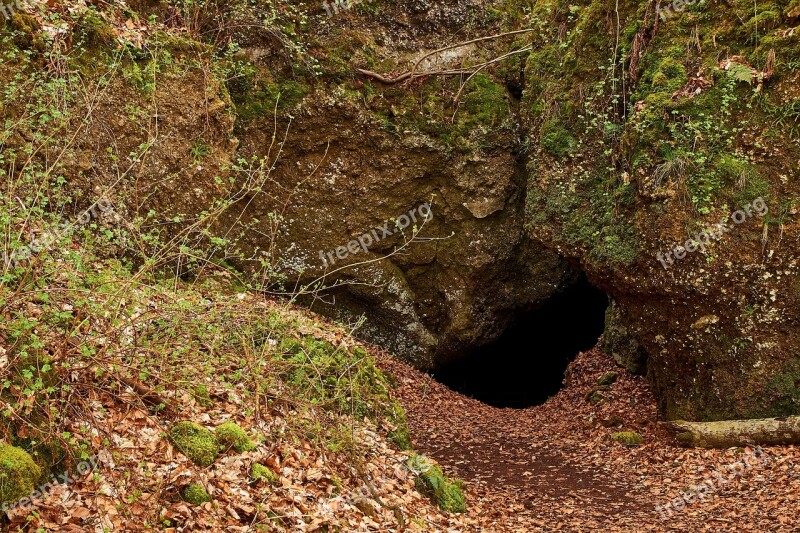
(400,437)
(627,438)
(196,494)
(231,435)
(202,396)
(199,151)
(446,493)
(196,442)
(261,472)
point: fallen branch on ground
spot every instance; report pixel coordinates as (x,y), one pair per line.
(730,433)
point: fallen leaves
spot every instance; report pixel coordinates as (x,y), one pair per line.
(554,467)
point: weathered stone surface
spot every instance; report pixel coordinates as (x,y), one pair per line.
(457,284)
(620,345)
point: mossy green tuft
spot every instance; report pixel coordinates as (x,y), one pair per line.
(231,435)
(261,472)
(18,473)
(627,438)
(196,494)
(196,442)
(444,492)
(608,378)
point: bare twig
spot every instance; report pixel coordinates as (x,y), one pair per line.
(465,43)
(413,74)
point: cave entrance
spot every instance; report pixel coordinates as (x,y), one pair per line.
(526,365)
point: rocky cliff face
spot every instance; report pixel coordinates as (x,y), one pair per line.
(623,132)
(661,125)
(447,281)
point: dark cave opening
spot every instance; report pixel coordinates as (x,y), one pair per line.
(526,365)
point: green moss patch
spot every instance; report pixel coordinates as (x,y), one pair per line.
(18,473)
(608,378)
(485,103)
(627,438)
(256,94)
(196,442)
(447,493)
(196,494)
(263,473)
(556,140)
(231,435)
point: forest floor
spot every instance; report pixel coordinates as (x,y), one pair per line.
(555,467)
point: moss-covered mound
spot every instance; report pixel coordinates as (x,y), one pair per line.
(261,472)
(431,481)
(627,438)
(196,494)
(196,442)
(231,435)
(18,473)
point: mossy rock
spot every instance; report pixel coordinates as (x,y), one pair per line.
(196,494)
(94,30)
(27,26)
(18,473)
(446,493)
(196,442)
(261,472)
(620,344)
(231,435)
(49,456)
(594,396)
(255,95)
(608,378)
(485,103)
(627,438)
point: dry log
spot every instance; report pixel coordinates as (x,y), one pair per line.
(731,433)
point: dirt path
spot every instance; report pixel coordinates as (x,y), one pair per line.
(555,466)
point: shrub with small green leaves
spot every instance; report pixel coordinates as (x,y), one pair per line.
(627,438)
(231,435)
(196,494)
(18,473)
(444,492)
(260,472)
(196,442)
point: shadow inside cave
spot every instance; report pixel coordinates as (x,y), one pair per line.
(526,365)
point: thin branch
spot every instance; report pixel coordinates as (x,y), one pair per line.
(413,74)
(464,43)
(484,65)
